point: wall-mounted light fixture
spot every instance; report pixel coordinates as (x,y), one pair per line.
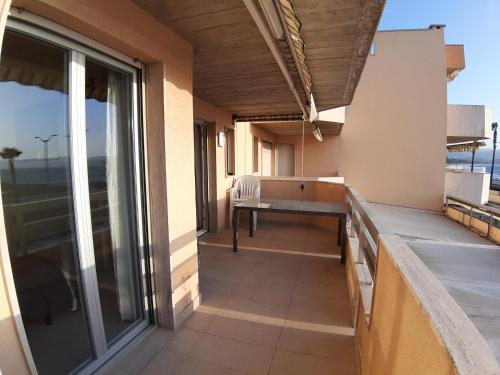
(221,139)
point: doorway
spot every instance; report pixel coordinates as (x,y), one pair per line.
(286,160)
(201,176)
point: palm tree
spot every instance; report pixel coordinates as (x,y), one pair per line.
(10,153)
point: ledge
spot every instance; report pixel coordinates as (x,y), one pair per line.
(331,180)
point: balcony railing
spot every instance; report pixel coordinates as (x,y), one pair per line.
(481,218)
(364,226)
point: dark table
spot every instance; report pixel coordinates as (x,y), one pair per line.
(284,206)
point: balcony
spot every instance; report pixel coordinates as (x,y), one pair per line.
(468,123)
(455,60)
(284,304)
(474,186)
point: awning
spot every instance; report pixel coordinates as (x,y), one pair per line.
(465,147)
(295,127)
(44,68)
(242,46)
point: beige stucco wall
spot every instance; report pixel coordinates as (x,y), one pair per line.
(245,133)
(393,143)
(320,158)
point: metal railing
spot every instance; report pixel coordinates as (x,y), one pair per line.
(365,227)
(486,214)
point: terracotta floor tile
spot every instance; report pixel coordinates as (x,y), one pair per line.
(252,311)
(140,356)
(199,320)
(281,309)
(233,354)
(190,366)
(244,330)
(183,341)
(287,244)
(293,363)
(163,363)
(225,288)
(320,344)
(266,296)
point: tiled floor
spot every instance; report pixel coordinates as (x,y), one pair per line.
(280,306)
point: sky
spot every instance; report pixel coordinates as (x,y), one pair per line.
(474,23)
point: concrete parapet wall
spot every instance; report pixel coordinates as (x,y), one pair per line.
(412,328)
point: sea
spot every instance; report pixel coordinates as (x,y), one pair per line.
(32,171)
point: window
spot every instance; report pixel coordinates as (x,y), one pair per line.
(71,179)
(230,152)
(255,154)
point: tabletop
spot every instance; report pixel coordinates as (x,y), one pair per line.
(286,205)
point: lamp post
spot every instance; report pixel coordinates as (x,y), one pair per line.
(474,146)
(494,127)
(46,154)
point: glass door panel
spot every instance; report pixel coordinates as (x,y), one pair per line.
(37,202)
(108,105)
(201,176)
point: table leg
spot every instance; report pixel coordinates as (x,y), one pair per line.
(250,223)
(342,236)
(236,214)
(339,228)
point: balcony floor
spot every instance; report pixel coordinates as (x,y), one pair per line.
(280,306)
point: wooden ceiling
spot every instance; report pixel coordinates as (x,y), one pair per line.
(295,127)
(337,38)
(235,70)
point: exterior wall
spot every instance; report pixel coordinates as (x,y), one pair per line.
(469,121)
(455,59)
(245,132)
(127,28)
(468,185)
(393,144)
(320,158)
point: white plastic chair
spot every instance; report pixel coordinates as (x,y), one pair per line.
(245,187)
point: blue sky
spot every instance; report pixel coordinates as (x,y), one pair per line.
(474,23)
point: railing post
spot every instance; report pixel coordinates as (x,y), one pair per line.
(490,225)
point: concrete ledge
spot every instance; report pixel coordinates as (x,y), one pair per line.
(468,351)
(331,180)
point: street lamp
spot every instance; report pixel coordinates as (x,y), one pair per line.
(494,127)
(45,142)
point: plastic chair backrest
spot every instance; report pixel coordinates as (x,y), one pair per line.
(247,187)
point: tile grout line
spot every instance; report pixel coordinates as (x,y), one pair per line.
(286,315)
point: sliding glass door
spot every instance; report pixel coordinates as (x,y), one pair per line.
(108,105)
(71,182)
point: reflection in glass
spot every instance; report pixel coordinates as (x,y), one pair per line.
(37,202)
(111,182)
